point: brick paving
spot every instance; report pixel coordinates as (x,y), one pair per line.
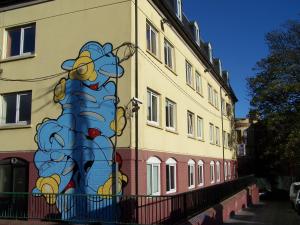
(266,213)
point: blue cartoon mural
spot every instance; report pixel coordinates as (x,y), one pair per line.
(75,151)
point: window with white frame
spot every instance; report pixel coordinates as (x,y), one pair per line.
(217,136)
(216,99)
(152,39)
(170,114)
(228,140)
(210,94)
(211,133)
(218,171)
(196,33)
(199,83)
(212,172)
(223,106)
(225,139)
(225,171)
(200,129)
(189,73)
(200,173)
(190,123)
(229,170)
(171,175)
(191,173)
(169,53)
(179,9)
(153,107)
(153,176)
(20,40)
(15,108)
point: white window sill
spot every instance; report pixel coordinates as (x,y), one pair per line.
(171,130)
(212,182)
(191,187)
(14,126)
(18,57)
(171,191)
(201,185)
(154,124)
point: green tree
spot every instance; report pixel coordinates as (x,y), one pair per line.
(275,93)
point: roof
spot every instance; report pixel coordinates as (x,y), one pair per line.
(185,29)
(6,5)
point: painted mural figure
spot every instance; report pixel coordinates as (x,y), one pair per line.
(75,151)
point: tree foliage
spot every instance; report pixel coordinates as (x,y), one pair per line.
(275,93)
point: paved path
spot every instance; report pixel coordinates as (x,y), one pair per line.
(267,213)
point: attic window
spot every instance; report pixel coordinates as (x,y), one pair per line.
(178,5)
(210,52)
(196,33)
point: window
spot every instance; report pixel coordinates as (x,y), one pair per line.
(152,39)
(153,176)
(189,74)
(200,173)
(223,106)
(169,51)
(190,123)
(196,33)
(199,83)
(171,175)
(212,172)
(216,99)
(228,109)
(210,94)
(211,133)
(218,171)
(191,173)
(200,128)
(179,9)
(225,139)
(153,106)
(229,170)
(170,114)
(217,136)
(225,171)
(20,40)
(228,140)
(15,108)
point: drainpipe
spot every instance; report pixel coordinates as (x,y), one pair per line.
(136,114)
(222,134)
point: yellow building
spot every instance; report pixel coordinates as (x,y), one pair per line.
(61,64)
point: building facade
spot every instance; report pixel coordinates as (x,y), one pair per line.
(68,74)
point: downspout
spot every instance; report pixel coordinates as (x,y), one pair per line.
(222,135)
(136,95)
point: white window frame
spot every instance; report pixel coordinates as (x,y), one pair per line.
(190,124)
(171,163)
(169,54)
(22,28)
(150,104)
(229,170)
(154,161)
(189,73)
(201,173)
(151,29)
(179,9)
(210,94)
(191,165)
(198,79)
(212,172)
(200,128)
(197,34)
(218,169)
(17,116)
(225,171)
(223,106)
(217,129)
(211,133)
(216,99)
(168,108)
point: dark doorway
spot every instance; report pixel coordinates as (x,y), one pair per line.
(13,188)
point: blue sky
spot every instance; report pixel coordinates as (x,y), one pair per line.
(236,29)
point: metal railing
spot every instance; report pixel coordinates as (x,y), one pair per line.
(79,208)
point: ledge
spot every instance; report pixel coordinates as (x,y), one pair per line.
(15,126)
(18,57)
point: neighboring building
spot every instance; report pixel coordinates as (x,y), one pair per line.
(183,133)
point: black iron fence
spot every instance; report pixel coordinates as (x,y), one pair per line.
(143,209)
